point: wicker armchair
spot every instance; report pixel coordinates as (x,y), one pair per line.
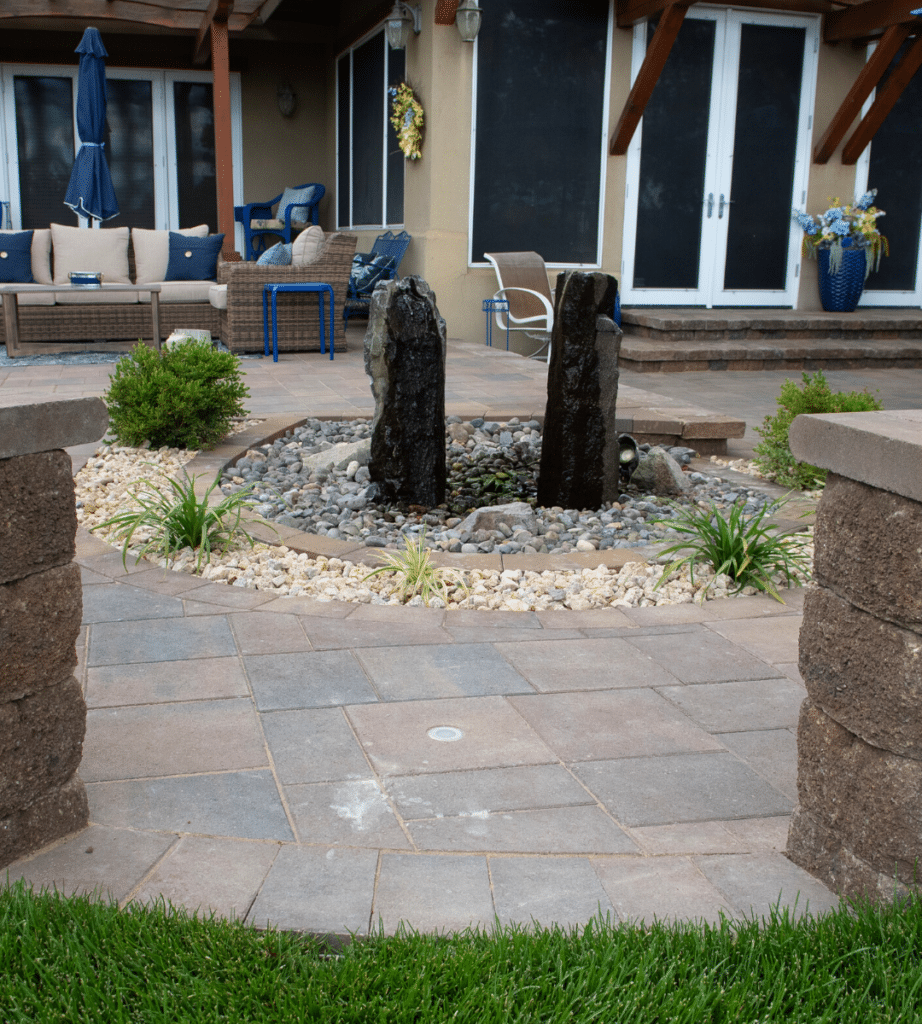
(298,323)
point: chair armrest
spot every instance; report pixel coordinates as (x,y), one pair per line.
(254,211)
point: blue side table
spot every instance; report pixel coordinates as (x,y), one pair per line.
(322,291)
(492,307)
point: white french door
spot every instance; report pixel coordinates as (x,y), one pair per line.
(719,160)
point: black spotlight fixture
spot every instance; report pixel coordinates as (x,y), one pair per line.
(628,457)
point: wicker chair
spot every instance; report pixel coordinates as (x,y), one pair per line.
(241,326)
(258,221)
(369,268)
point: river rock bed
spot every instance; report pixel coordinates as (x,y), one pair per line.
(316,479)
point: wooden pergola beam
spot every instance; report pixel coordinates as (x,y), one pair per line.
(219,11)
(865,84)
(883,102)
(648,76)
(629,12)
(223,146)
(445,12)
(867,18)
(263,13)
(113,10)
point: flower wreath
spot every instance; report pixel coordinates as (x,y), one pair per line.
(408,118)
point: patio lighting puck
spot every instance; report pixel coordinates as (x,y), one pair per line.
(445,733)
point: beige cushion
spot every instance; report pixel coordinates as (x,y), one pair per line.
(94,297)
(23,297)
(182,291)
(152,251)
(99,249)
(306,247)
(217,296)
(41,257)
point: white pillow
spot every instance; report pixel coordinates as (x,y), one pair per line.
(307,245)
(101,249)
(152,251)
(41,254)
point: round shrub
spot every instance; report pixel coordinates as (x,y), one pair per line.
(182,397)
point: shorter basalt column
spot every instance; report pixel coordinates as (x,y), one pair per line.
(579,453)
(405,358)
(858,826)
(42,711)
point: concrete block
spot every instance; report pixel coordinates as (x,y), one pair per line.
(869,548)
(44,426)
(39,623)
(38,516)
(865,673)
(41,742)
(869,799)
(57,813)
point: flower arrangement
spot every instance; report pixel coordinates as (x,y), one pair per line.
(857,222)
(408,119)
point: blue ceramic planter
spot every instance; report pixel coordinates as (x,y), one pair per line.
(840,293)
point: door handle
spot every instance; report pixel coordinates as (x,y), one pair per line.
(723,202)
(710,202)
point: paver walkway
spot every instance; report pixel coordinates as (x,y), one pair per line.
(272,758)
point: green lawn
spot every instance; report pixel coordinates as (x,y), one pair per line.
(81,961)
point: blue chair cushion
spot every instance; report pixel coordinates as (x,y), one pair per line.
(278,255)
(366,274)
(193,259)
(16,258)
(296,196)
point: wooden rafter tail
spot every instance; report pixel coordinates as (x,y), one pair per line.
(652,67)
(883,102)
(867,18)
(865,84)
(219,12)
(445,11)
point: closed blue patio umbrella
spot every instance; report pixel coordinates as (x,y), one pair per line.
(90,192)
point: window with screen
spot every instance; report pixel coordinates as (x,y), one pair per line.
(369,171)
(540,103)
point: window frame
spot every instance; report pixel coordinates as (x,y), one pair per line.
(603,158)
(348,54)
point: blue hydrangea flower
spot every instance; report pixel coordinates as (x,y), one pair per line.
(865,201)
(806,222)
(840,227)
(833,214)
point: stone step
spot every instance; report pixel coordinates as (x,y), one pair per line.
(667,354)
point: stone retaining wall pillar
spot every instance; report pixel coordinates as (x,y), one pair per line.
(858,826)
(42,712)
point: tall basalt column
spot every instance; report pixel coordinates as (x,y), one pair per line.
(579,454)
(405,358)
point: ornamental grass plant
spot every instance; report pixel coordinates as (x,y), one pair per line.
(171,517)
(81,960)
(745,548)
(415,572)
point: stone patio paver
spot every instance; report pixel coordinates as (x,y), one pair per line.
(565,890)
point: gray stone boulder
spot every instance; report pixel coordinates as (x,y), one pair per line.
(517,515)
(659,473)
(339,456)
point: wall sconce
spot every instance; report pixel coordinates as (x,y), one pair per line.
(399,22)
(467,18)
(286,99)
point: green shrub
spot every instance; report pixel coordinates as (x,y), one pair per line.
(773,454)
(183,397)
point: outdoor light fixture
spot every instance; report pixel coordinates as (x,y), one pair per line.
(286,99)
(628,457)
(399,22)
(467,18)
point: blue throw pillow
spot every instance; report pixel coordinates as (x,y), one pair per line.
(193,259)
(366,275)
(278,255)
(16,258)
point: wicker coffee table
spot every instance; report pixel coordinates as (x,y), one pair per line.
(10,292)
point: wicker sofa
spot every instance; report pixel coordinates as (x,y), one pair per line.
(72,320)
(241,318)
